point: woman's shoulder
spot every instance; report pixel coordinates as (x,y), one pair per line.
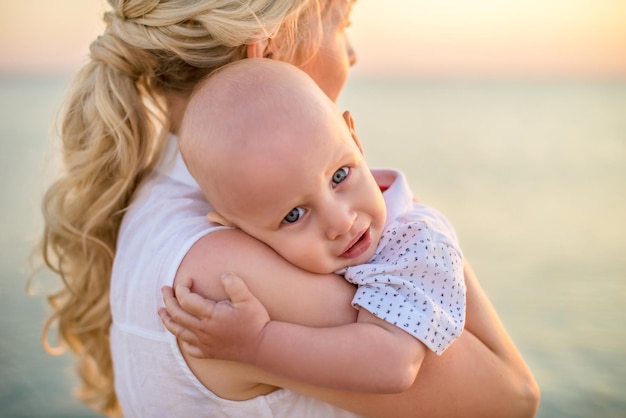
(167,215)
(167,209)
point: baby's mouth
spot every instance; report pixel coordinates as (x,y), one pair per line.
(359,246)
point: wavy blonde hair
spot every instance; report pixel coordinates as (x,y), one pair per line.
(112,133)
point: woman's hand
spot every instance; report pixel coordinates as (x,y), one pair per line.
(228,329)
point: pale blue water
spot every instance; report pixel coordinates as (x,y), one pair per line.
(533,175)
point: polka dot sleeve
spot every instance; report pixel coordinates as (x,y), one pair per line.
(415,281)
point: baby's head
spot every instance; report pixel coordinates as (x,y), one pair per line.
(275,158)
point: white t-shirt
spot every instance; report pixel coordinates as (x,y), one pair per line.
(415,279)
(166,217)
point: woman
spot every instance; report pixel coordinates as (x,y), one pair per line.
(126,219)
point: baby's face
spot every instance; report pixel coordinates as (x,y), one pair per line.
(312,198)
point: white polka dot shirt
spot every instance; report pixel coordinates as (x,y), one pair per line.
(415,279)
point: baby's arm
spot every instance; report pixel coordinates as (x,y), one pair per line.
(370,355)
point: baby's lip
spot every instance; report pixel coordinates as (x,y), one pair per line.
(359,244)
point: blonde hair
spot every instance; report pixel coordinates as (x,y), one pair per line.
(110,136)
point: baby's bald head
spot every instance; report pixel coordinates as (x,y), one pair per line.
(242,121)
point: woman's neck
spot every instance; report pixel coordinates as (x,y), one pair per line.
(176,105)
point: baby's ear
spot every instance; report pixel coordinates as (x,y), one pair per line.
(218,219)
(350,122)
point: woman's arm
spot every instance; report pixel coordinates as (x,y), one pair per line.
(481,374)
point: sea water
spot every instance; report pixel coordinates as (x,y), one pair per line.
(532,174)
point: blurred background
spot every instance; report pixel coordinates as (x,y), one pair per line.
(508,116)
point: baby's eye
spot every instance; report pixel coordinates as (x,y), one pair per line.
(340,175)
(294,215)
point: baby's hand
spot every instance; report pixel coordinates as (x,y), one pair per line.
(227,330)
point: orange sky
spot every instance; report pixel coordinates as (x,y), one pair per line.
(430,38)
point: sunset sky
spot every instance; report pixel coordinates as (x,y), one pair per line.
(428,38)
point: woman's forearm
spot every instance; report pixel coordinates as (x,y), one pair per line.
(481,375)
(485,324)
(468,380)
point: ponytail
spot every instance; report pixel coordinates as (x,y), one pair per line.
(112,132)
(109,143)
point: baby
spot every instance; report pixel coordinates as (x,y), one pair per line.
(277,160)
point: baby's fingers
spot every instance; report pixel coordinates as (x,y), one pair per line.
(175,313)
(192,350)
(236,289)
(182,333)
(193,303)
